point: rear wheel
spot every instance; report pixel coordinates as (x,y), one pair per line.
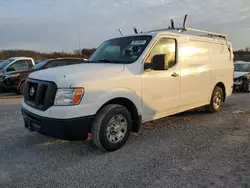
(111,127)
(21,88)
(216,100)
(1,89)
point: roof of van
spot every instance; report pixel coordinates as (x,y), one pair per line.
(176,34)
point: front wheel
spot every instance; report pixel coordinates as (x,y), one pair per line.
(111,127)
(216,100)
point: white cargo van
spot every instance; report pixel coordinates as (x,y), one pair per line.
(128,81)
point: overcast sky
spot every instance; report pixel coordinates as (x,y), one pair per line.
(58,25)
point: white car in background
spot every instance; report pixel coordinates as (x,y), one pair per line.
(242,76)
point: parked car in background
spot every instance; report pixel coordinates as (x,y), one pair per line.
(14,81)
(38,61)
(242,76)
(11,67)
(16,64)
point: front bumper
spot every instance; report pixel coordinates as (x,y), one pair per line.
(67,129)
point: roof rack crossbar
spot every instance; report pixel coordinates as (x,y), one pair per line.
(185,28)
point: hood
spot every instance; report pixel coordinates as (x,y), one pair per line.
(239,74)
(65,76)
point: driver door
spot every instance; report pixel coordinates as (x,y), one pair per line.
(161,89)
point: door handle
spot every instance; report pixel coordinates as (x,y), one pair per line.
(174,74)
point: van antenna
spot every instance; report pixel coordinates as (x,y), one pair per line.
(121,32)
(135,30)
(185,23)
(172,23)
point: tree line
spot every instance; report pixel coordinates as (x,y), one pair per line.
(242,54)
(83,53)
(239,55)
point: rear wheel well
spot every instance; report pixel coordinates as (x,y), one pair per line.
(18,89)
(131,108)
(20,83)
(222,86)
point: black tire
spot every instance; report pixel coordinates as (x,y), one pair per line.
(1,89)
(21,88)
(246,86)
(102,124)
(215,106)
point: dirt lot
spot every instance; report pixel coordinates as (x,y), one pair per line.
(192,149)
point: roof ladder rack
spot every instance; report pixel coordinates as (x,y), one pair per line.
(185,28)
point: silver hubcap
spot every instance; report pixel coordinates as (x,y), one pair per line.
(248,87)
(117,128)
(217,100)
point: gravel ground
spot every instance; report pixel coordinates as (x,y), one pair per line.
(9,98)
(192,149)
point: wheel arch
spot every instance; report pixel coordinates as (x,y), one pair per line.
(20,83)
(222,86)
(131,107)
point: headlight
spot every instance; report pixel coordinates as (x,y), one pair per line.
(66,97)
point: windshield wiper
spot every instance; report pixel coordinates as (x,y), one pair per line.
(105,61)
(108,61)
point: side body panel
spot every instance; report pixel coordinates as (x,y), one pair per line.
(222,67)
(195,73)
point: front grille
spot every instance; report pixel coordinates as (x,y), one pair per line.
(39,94)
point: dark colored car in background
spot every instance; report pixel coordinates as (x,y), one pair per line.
(242,76)
(15,81)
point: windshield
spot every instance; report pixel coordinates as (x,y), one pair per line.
(39,65)
(121,50)
(5,63)
(242,67)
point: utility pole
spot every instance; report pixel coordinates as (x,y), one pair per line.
(79,42)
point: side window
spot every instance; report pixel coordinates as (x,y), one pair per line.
(164,46)
(57,63)
(20,65)
(30,63)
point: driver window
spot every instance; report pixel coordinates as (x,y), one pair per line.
(164,46)
(19,65)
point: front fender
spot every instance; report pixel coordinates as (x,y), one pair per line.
(120,93)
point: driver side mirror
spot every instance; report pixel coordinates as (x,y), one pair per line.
(10,69)
(159,62)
